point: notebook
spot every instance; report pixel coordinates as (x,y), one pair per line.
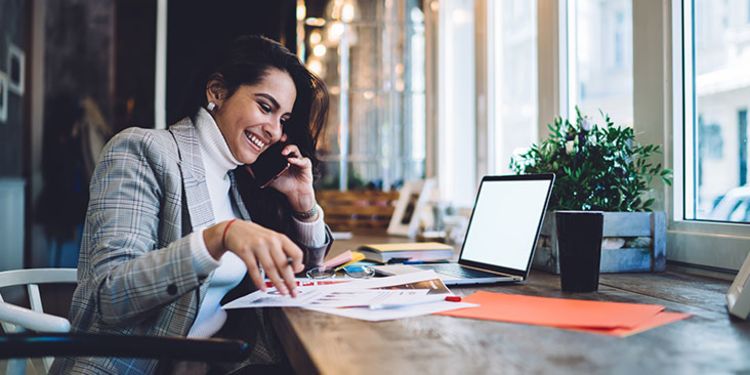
(413,251)
(502,233)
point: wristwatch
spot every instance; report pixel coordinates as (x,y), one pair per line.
(306,215)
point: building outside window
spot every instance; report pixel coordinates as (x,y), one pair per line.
(721,97)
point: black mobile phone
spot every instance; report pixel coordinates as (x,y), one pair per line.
(269,165)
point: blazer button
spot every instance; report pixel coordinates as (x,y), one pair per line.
(172,289)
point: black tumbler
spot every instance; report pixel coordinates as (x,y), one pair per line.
(579,244)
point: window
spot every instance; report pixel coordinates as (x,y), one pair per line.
(710,96)
(720,81)
(372,56)
(456,159)
(601,46)
(583,55)
(512,48)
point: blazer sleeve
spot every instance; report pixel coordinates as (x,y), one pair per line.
(130,275)
(314,255)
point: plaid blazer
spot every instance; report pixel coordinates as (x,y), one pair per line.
(135,271)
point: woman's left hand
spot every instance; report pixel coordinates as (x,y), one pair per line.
(296,183)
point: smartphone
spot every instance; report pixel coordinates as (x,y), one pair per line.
(269,165)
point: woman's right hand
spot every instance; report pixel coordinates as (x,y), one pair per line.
(255,245)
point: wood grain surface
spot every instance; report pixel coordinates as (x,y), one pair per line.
(708,342)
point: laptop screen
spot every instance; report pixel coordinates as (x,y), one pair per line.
(505,221)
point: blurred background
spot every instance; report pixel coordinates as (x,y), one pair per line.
(447,90)
(82,70)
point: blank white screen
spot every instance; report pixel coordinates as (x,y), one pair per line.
(503,227)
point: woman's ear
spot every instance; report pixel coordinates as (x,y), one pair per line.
(215,91)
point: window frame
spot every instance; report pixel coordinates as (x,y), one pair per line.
(688,239)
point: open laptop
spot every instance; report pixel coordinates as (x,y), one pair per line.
(502,232)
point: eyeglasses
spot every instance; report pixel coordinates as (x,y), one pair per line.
(354,271)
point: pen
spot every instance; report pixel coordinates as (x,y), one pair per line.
(397,260)
(414,262)
(424,261)
(425,299)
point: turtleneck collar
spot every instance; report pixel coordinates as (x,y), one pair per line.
(219,159)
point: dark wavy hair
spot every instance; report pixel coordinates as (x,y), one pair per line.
(247,61)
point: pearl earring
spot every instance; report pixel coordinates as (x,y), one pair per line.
(211,106)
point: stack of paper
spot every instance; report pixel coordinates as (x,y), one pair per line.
(608,318)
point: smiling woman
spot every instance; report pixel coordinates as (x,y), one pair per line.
(168,231)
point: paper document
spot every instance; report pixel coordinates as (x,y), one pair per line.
(376,299)
(417,280)
(350,293)
(325,297)
(377,315)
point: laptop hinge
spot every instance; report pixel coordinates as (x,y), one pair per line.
(515,277)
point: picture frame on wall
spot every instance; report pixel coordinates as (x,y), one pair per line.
(413,197)
(3,97)
(16,65)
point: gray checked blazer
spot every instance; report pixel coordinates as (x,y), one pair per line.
(135,272)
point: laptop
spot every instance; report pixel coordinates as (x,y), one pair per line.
(501,236)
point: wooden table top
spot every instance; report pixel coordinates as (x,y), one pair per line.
(708,342)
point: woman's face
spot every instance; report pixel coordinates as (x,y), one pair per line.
(252,119)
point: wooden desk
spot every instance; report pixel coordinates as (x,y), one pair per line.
(708,342)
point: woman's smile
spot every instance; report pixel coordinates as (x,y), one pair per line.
(257,144)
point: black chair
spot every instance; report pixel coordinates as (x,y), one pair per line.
(32,333)
(36,345)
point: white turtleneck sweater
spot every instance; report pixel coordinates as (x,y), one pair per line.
(218,161)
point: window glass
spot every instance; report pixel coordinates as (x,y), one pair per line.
(457,102)
(721,84)
(603,76)
(514,40)
(371,56)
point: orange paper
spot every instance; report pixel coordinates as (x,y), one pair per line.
(657,320)
(557,312)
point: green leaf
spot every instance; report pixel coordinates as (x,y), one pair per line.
(609,170)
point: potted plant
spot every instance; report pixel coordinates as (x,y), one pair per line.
(602,168)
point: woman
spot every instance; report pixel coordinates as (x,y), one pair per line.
(175,221)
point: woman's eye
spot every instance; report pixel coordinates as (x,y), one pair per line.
(265,108)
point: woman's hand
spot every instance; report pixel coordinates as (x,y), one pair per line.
(297,182)
(255,244)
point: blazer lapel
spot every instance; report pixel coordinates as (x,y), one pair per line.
(237,199)
(196,197)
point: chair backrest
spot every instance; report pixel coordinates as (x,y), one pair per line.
(348,210)
(17,319)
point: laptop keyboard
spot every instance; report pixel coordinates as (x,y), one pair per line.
(456,270)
